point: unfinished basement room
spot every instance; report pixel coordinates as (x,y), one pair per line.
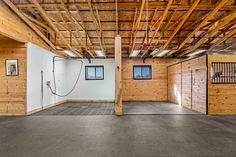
(117,78)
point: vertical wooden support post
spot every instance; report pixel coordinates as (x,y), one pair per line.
(118,76)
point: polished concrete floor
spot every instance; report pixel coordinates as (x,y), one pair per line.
(129,108)
(137,107)
(111,136)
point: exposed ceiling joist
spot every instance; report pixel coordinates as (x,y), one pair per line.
(132,5)
(19,13)
(136,26)
(210,15)
(221,23)
(178,26)
(186,16)
(230,46)
(159,24)
(204,21)
(96,23)
(46,18)
(77,28)
(228,35)
(38,22)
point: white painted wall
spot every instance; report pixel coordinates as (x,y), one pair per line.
(95,90)
(66,73)
(40,59)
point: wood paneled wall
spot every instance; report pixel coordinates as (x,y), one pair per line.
(194,84)
(188,79)
(145,90)
(221,97)
(175,83)
(12,88)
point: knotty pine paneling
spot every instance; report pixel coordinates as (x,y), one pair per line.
(13,88)
(194,81)
(174,83)
(187,84)
(221,97)
(145,90)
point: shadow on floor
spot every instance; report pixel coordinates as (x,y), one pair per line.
(132,108)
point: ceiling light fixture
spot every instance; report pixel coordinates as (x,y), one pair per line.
(134,53)
(161,53)
(99,53)
(197,52)
(70,53)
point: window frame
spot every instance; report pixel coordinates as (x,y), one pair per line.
(142,66)
(223,69)
(94,66)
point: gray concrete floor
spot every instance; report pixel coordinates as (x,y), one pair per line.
(132,108)
(129,108)
(111,136)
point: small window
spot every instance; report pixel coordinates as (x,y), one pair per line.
(94,72)
(142,72)
(223,73)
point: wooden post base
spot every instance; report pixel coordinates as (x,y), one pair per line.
(118,110)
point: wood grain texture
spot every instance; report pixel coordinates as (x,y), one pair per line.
(194,84)
(145,90)
(12,27)
(118,76)
(187,84)
(174,83)
(13,88)
(221,97)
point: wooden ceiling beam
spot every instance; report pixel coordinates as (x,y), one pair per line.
(77,29)
(228,35)
(72,33)
(131,5)
(161,20)
(46,18)
(136,26)
(100,26)
(194,23)
(140,15)
(159,24)
(221,23)
(230,46)
(117,17)
(133,27)
(147,30)
(141,21)
(99,36)
(186,16)
(82,26)
(40,23)
(163,39)
(210,15)
(19,13)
